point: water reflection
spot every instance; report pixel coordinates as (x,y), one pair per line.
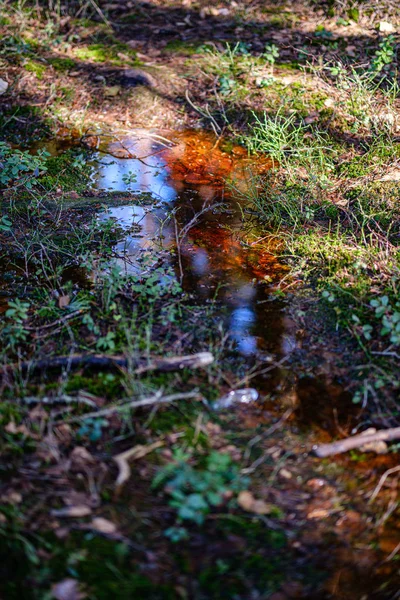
(205,227)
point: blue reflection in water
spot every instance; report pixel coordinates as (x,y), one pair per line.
(240,325)
(136,175)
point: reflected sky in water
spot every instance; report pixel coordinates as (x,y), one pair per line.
(206,266)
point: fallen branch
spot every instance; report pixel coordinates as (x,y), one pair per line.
(356,441)
(134,453)
(158,398)
(174,363)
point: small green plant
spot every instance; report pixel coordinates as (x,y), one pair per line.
(107,342)
(226,85)
(20,167)
(389,315)
(92,429)
(129,178)
(5,224)
(385,55)
(17,313)
(195,490)
(271,53)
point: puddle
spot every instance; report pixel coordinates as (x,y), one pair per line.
(216,251)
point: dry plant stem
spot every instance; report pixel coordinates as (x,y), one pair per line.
(192,361)
(356,441)
(132,454)
(158,398)
(382,481)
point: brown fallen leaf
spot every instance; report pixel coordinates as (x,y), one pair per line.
(103,525)
(378,447)
(80,458)
(134,453)
(248,503)
(67,589)
(112,91)
(318,513)
(63,301)
(77,511)
(14,429)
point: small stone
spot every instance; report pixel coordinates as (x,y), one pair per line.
(133,77)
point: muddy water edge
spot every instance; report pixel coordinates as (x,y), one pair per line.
(172,200)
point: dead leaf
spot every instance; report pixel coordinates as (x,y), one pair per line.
(318,513)
(11,498)
(67,589)
(351,51)
(379,447)
(64,301)
(386,27)
(134,453)
(14,429)
(112,91)
(3,86)
(72,511)
(80,457)
(248,503)
(329,102)
(103,525)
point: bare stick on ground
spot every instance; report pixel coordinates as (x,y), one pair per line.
(356,441)
(134,453)
(158,398)
(173,363)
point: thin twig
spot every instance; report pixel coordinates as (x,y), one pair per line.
(382,481)
(59,321)
(158,398)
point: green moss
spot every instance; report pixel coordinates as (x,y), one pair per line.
(35,67)
(62,64)
(61,172)
(181,47)
(99,384)
(106,51)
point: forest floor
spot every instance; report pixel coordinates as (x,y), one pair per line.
(218,183)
